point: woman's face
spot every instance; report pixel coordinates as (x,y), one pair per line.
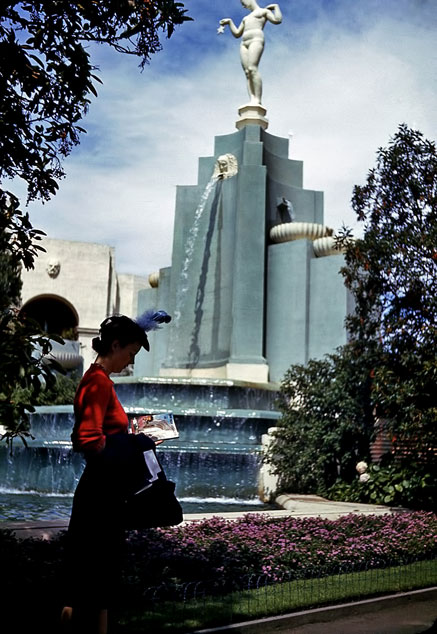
(122,356)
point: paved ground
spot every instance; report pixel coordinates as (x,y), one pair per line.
(408,613)
(407,619)
(295,505)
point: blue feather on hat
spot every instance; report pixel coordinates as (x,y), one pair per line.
(151,319)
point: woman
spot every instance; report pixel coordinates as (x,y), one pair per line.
(252,44)
(96,535)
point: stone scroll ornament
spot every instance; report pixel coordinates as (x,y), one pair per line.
(252,43)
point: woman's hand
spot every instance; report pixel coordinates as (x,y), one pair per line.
(155,440)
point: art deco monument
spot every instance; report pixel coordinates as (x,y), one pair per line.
(254,282)
(253,287)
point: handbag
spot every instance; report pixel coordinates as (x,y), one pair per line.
(155,506)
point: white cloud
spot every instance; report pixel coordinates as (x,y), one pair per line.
(343,91)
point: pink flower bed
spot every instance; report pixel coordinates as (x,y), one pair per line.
(285,547)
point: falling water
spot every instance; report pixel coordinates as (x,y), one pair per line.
(215,461)
(189,252)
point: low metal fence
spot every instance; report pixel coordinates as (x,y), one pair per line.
(194,605)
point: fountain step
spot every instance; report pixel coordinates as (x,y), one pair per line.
(298,506)
(210,412)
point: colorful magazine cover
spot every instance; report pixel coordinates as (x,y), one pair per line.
(157,426)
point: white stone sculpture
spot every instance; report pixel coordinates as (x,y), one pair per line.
(225,166)
(326,246)
(252,44)
(289,231)
(53,268)
(154,279)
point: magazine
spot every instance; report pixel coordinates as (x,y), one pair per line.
(157,426)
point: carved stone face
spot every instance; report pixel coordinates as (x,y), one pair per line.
(225,166)
(222,165)
(53,268)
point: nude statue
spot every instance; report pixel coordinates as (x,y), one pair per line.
(252,44)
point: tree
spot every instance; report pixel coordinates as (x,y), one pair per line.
(46,82)
(22,344)
(326,423)
(388,370)
(47,78)
(392,274)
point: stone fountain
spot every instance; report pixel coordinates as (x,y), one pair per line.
(253,287)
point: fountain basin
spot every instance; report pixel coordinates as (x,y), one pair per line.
(216,459)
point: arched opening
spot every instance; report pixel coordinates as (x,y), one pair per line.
(54,315)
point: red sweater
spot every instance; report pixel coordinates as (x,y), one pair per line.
(97,411)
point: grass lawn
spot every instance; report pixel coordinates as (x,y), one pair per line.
(204,611)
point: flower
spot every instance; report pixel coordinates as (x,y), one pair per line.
(361,466)
(364,477)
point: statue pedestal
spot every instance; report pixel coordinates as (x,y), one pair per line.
(252,114)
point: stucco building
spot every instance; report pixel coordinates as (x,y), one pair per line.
(72,288)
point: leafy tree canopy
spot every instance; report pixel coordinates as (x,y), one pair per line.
(392,274)
(47,76)
(47,79)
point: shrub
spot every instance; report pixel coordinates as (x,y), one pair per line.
(413,487)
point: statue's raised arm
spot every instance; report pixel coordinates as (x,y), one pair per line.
(252,45)
(274,14)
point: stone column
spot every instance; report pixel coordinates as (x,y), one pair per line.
(247,355)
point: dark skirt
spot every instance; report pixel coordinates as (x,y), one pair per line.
(95,541)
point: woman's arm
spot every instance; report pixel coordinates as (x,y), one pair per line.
(236,31)
(91,404)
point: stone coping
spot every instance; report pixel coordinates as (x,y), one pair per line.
(198,381)
(294,505)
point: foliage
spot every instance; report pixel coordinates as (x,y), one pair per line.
(46,82)
(412,486)
(391,271)
(47,78)
(256,544)
(277,548)
(392,274)
(61,392)
(326,423)
(389,365)
(22,344)
(221,553)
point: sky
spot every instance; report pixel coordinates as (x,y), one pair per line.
(339,77)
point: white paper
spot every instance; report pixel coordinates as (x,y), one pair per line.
(153,467)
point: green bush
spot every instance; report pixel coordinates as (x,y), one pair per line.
(60,393)
(407,486)
(326,424)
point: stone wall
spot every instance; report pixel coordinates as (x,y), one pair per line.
(81,277)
